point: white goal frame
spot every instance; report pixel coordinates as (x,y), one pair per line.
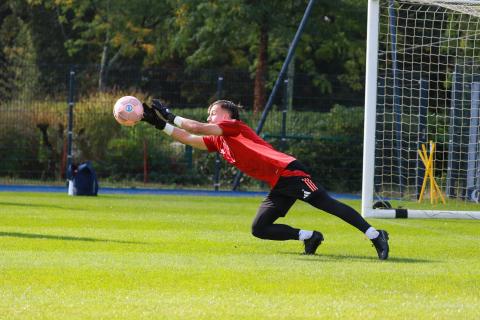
(371,83)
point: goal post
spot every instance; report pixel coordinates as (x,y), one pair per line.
(422,96)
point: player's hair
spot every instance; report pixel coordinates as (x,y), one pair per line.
(232,108)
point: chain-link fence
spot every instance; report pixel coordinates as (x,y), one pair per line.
(34,112)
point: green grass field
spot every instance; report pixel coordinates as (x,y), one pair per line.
(177,257)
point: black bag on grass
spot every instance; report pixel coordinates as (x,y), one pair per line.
(84,180)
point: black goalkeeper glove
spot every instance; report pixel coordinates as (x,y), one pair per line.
(164,111)
(150,116)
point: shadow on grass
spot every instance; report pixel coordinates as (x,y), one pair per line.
(63,238)
(32,205)
(338,257)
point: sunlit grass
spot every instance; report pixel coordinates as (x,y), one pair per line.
(177,257)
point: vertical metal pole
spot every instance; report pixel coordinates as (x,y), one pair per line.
(216,183)
(284,115)
(472,139)
(453,140)
(397,109)
(422,133)
(291,79)
(70,123)
(290,54)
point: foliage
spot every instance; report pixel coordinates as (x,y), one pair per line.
(190,35)
(118,153)
(17,57)
(105,32)
(162,48)
(18,150)
(334,155)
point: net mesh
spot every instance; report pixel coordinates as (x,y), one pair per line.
(428,94)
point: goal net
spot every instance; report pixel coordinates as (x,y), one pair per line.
(422,137)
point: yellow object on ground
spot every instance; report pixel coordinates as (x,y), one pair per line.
(428,161)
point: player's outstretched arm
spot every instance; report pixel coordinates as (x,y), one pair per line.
(192,126)
(200,128)
(187,138)
(151,117)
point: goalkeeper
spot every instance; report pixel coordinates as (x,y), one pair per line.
(288,178)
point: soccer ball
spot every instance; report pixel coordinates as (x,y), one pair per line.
(128,111)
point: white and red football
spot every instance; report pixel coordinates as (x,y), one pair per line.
(128,111)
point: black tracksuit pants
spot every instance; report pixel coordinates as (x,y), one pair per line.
(284,194)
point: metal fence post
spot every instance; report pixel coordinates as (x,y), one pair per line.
(71,95)
(284,115)
(216,178)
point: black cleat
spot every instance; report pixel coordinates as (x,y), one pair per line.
(381,244)
(312,244)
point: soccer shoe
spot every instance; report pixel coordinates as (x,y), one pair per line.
(312,244)
(381,244)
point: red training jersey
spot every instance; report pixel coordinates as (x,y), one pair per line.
(243,148)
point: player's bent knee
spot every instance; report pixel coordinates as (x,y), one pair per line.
(258,232)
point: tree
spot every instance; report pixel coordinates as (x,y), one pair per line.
(19,76)
(234,34)
(332,50)
(105,31)
(245,35)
